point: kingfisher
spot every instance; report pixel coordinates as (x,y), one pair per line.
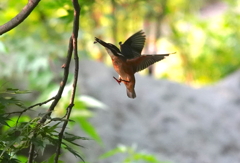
(128,59)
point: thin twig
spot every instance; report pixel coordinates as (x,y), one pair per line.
(31,153)
(41,103)
(63,82)
(30,107)
(69,108)
(20,17)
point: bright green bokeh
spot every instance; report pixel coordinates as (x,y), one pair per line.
(206,42)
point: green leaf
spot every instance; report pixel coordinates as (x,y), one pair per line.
(52,159)
(13,120)
(71,138)
(52,139)
(40,144)
(17,91)
(78,104)
(2,47)
(73,152)
(13,160)
(144,157)
(89,129)
(22,158)
(3,120)
(111,153)
(91,102)
(50,129)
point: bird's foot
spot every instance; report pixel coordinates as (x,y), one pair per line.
(119,80)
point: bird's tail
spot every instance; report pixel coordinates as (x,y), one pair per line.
(131,93)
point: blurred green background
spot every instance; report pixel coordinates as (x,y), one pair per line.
(204,33)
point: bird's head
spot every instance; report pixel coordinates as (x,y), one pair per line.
(114,47)
(106,45)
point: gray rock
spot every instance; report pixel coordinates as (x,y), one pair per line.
(171,120)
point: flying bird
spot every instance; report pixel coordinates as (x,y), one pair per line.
(129,60)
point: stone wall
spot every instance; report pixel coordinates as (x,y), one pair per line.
(175,122)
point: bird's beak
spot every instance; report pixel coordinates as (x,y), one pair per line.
(97,40)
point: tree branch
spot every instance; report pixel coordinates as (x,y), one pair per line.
(28,108)
(71,47)
(31,153)
(63,82)
(70,106)
(58,96)
(20,17)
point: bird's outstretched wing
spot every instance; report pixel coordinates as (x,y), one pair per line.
(144,61)
(133,46)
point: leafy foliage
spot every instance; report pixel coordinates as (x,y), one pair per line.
(51,159)
(131,155)
(18,132)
